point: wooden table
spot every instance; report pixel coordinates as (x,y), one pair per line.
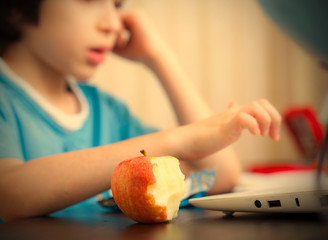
(191,223)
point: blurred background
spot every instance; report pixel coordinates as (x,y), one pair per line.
(231,50)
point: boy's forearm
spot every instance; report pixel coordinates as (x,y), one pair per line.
(186,100)
(51,183)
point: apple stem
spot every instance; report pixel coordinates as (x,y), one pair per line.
(143,151)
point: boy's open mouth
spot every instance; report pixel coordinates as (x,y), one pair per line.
(96,55)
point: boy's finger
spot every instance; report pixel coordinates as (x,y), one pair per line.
(275,119)
(261,115)
(247,121)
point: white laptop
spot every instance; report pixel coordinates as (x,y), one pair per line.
(288,192)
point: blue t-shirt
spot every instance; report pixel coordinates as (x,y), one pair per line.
(28,132)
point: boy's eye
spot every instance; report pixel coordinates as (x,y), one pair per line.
(118,3)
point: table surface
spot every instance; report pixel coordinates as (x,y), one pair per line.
(191,223)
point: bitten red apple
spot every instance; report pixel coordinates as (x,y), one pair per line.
(149,189)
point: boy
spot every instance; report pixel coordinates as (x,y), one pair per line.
(61,138)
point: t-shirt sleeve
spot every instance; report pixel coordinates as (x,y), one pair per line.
(9,143)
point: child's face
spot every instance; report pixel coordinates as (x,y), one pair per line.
(73,36)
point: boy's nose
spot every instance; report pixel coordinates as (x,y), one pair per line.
(110,20)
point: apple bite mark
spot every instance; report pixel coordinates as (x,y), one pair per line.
(149,189)
(169,187)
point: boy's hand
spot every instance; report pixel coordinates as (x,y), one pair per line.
(139,41)
(223,129)
(259,117)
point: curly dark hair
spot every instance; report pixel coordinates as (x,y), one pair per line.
(12,13)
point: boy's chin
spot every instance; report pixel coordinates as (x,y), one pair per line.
(83,75)
(82,80)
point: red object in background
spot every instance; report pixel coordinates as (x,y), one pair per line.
(305,129)
(267,169)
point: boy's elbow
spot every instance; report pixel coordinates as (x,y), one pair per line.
(9,212)
(231,183)
(11,208)
(12,212)
(225,184)
(234,181)
(8,217)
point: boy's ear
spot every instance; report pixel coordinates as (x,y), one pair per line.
(15,18)
(18,21)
